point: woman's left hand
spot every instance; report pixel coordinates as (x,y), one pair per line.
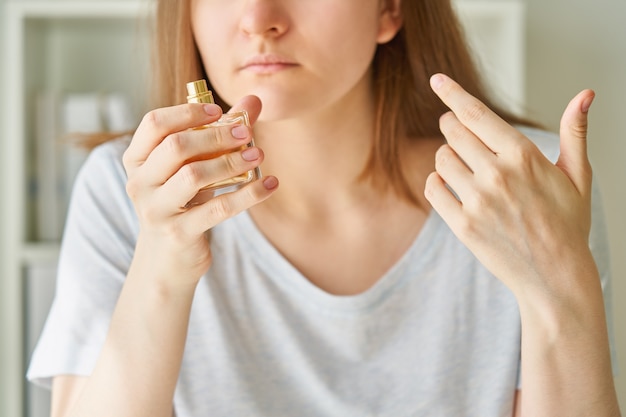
(526,219)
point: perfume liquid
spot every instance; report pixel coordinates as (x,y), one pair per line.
(199,93)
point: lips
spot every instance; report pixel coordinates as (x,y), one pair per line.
(267,64)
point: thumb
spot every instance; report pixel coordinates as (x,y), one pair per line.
(252,104)
(573,159)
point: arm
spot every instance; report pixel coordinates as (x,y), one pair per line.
(528,220)
(65,391)
(138,367)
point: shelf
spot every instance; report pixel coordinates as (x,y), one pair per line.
(78,9)
(33,253)
(69,47)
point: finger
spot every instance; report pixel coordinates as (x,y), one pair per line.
(453,170)
(442,199)
(573,159)
(492,130)
(192,144)
(192,177)
(466,145)
(222,207)
(159,123)
(251,104)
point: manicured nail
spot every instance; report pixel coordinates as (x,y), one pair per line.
(239,132)
(212,109)
(251,154)
(270,183)
(436,81)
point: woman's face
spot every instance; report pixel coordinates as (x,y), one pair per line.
(296,55)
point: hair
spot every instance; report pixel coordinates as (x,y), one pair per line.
(431,40)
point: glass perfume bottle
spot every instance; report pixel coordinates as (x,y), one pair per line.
(199,93)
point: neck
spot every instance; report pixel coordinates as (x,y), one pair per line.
(319,157)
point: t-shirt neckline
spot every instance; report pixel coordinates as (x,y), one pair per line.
(287,276)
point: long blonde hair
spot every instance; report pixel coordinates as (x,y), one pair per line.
(430,41)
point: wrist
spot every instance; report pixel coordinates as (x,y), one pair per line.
(566,364)
(566,283)
(167,266)
(570,301)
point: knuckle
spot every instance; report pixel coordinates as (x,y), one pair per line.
(475,202)
(495,178)
(578,130)
(175,145)
(132,189)
(127,158)
(253,194)
(150,214)
(430,186)
(473,112)
(445,119)
(450,126)
(152,119)
(524,154)
(190,175)
(220,208)
(231,162)
(219,137)
(455,132)
(442,156)
(466,227)
(525,157)
(187,113)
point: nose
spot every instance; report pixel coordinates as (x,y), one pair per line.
(267,18)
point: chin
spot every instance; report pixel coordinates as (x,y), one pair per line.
(277,109)
(280,102)
(269,115)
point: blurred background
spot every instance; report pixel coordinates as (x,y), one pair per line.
(82,67)
(577,44)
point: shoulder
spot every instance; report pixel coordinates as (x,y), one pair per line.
(108,154)
(103,168)
(99,191)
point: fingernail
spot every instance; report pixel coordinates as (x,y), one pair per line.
(586,104)
(239,132)
(212,109)
(251,154)
(270,183)
(436,81)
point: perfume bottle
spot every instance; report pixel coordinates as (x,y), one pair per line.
(199,93)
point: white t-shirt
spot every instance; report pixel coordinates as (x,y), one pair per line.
(437,335)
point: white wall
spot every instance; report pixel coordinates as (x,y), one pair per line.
(577,44)
(3,111)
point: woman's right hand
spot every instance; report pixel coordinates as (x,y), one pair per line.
(167,163)
(165,171)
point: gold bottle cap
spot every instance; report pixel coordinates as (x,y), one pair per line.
(198,92)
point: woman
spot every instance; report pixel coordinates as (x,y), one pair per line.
(387,273)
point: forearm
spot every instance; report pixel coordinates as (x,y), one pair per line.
(138,368)
(528,221)
(566,365)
